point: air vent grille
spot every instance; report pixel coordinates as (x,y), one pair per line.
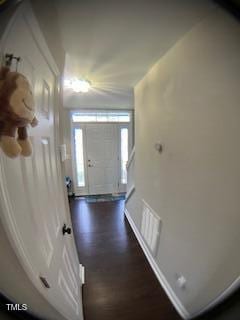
(150,228)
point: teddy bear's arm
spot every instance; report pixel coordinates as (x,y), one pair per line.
(34,122)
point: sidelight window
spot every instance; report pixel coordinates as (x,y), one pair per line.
(124,154)
(78,144)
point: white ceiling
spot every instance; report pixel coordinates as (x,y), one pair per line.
(113,43)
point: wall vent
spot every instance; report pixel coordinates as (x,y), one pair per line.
(150,228)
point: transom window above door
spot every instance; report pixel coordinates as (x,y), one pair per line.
(101,116)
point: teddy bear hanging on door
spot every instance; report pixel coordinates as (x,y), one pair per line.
(17,111)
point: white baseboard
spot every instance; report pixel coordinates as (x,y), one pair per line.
(161,278)
(169,291)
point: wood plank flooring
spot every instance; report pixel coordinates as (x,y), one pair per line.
(120,284)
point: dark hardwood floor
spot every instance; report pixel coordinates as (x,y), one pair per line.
(120,284)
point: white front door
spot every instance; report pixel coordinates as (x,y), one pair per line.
(31,190)
(102,158)
(100,152)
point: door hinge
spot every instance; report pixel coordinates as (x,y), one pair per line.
(82,273)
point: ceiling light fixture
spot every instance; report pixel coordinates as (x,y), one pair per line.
(78,85)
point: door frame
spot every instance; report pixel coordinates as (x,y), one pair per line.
(84,191)
(25,12)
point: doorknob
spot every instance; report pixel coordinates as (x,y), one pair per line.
(66,229)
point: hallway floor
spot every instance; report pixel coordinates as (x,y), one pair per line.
(120,284)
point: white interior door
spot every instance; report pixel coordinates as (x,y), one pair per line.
(102,158)
(31,190)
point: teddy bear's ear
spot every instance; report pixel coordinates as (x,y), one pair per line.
(3,72)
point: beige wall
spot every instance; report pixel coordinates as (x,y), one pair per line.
(189,101)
